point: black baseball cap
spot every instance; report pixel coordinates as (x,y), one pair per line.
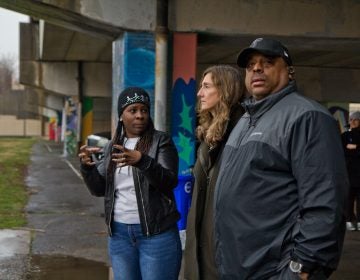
(268,47)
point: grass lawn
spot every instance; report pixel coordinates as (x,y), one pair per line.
(14,159)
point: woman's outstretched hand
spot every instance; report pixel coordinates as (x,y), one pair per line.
(86,153)
(123,157)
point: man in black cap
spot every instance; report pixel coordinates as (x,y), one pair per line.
(282,186)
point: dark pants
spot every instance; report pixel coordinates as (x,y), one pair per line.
(354,196)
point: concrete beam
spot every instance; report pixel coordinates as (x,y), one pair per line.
(329,85)
(62,17)
(62,77)
(54,102)
(102,115)
(106,19)
(29,41)
(59,78)
(316,18)
(98,79)
(61,44)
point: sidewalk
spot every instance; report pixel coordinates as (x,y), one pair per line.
(349,267)
(64,220)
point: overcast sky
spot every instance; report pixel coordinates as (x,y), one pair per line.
(9,31)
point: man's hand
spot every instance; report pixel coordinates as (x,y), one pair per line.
(351,146)
(304,275)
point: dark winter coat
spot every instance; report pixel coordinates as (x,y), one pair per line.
(281,189)
(155,177)
(200,247)
(352,156)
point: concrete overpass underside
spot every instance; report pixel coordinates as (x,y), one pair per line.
(67,46)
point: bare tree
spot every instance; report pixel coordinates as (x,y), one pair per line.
(7,71)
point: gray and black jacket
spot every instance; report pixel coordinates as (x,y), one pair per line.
(155,177)
(281,189)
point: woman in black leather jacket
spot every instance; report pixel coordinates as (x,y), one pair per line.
(137,176)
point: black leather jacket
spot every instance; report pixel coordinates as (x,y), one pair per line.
(155,177)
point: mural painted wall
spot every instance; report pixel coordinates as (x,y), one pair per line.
(87,118)
(133,65)
(71,126)
(183,123)
(183,115)
(183,118)
(340,112)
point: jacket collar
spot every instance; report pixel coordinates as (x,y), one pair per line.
(255,109)
(207,155)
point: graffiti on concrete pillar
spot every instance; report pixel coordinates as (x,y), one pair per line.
(183,98)
(341,116)
(134,64)
(87,117)
(71,111)
(183,123)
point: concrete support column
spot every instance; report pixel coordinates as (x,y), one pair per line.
(133,65)
(160,113)
(161,39)
(184,99)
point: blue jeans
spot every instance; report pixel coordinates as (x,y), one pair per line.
(137,257)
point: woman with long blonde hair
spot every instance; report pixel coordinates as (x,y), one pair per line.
(219,97)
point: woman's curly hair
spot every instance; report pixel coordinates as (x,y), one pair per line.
(230,85)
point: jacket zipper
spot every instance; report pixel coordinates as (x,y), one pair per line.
(166,198)
(143,208)
(250,116)
(112,206)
